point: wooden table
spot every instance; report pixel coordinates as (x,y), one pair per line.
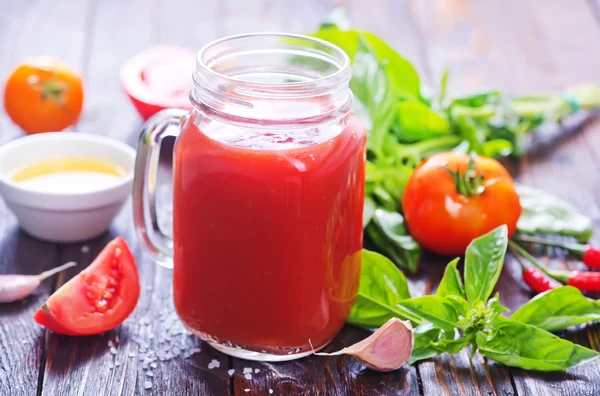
(515,45)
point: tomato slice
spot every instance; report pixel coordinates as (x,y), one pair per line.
(99,298)
(159,78)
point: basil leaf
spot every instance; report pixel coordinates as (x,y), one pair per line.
(494,304)
(478,99)
(450,345)
(433,309)
(497,148)
(394,180)
(429,341)
(402,75)
(387,201)
(451,283)
(415,121)
(470,131)
(388,232)
(424,334)
(483,263)
(371,87)
(382,285)
(368,211)
(558,309)
(528,347)
(546,214)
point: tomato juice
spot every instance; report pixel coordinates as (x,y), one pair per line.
(267,231)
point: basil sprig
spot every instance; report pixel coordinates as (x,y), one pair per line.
(460,313)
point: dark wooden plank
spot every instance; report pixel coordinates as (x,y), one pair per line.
(29,28)
(393,22)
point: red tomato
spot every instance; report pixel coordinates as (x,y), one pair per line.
(444,215)
(99,298)
(159,78)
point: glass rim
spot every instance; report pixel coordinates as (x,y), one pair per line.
(338,55)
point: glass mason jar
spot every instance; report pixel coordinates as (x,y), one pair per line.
(268,184)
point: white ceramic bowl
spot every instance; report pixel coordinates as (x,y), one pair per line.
(65,217)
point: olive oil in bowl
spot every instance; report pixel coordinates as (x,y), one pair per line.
(68,175)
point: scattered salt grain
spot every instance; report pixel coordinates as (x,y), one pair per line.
(270,391)
(230,372)
(256,371)
(145,366)
(110,365)
(246,390)
(248,376)
(131,354)
(85,249)
(247,370)
(147,384)
(111,343)
(149,374)
(118,364)
(153,365)
(214,364)
(192,352)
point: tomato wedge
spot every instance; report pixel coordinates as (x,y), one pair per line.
(159,78)
(99,298)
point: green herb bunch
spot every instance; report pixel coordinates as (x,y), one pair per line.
(461,313)
(405,126)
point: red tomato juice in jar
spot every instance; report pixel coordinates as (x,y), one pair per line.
(269,231)
(268,184)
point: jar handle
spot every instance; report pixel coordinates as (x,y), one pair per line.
(163,124)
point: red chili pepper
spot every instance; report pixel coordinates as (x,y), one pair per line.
(590,255)
(538,281)
(535,278)
(582,280)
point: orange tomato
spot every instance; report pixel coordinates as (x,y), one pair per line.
(446,206)
(43,94)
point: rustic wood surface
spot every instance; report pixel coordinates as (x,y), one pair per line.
(515,45)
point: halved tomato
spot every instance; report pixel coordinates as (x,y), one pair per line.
(159,78)
(99,298)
